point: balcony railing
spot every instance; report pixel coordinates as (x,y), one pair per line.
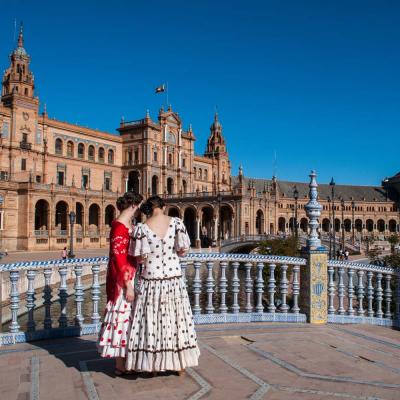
(61,232)
(42,233)
(25,145)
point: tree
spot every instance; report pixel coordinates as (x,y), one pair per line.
(393,240)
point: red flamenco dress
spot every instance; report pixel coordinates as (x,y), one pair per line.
(121,267)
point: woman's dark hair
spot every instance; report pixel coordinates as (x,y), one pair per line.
(150,204)
(128,199)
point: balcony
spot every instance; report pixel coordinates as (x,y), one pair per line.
(41,233)
(25,145)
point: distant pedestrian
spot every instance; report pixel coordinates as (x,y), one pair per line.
(346,255)
(337,254)
(64,253)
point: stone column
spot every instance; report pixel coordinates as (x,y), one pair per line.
(314,275)
(215,233)
(198,232)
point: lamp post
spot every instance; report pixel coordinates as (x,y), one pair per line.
(353,207)
(296,198)
(72,216)
(342,204)
(332,185)
(329,228)
(219,199)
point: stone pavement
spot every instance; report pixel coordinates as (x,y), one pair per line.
(243,361)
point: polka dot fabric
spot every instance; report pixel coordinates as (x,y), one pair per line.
(113,337)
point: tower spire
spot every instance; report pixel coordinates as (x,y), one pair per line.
(21,36)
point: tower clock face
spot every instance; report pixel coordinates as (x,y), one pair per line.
(25,116)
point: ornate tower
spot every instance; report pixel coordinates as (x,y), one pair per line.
(18,79)
(216,150)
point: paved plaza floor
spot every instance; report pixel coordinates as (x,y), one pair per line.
(253,361)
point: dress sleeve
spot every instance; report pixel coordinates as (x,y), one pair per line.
(182,240)
(119,250)
(139,245)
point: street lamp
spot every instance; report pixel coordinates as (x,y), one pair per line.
(353,207)
(332,185)
(342,204)
(219,199)
(329,228)
(72,216)
(296,198)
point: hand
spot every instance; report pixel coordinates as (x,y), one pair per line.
(130,293)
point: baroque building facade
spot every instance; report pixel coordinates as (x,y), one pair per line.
(49,168)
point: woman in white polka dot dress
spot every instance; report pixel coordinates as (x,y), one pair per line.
(162,335)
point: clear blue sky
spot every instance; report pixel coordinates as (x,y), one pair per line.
(317,82)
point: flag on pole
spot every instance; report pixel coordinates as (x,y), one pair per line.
(160,89)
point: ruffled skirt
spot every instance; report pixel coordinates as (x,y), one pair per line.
(113,336)
(162,335)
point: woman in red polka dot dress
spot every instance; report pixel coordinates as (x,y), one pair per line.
(119,284)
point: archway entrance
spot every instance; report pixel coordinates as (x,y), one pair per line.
(207,227)
(41,215)
(226,220)
(173,212)
(189,219)
(170,186)
(94,218)
(133,181)
(260,222)
(109,215)
(154,185)
(62,216)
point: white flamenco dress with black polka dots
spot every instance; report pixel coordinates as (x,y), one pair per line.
(162,335)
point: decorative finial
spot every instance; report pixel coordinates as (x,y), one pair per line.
(313,212)
(44,109)
(122,119)
(240,170)
(170,108)
(190,128)
(147,114)
(21,36)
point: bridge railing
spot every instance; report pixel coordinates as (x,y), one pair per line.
(223,288)
(363,293)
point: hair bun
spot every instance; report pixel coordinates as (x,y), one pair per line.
(121,203)
(146,208)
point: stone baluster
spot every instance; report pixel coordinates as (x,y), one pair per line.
(223,287)
(235,287)
(341,309)
(284,288)
(388,296)
(95,294)
(210,287)
(378,295)
(183,269)
(271,288)
(360,293)
(63,296)
(296,289)
(47,296)
(14,301)
(78,294)
(260,287)
(196,287)
(370,294)
(350,290)
(331,290)
(30,299)
(248,287)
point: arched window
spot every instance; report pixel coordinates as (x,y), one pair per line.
(59,146)
(184,186)
(200,173)
(70,149)
(91,153)
(170,159)
(170,186)
(81,150)
(205,175)
(101,154)
(110,156)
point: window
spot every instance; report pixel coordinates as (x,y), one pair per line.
(205,174)
(155,155)
(60,178)
(3,176)
(23,164)
(107,184)
(81,150)
(38,179)
(25,138)
(136,156)
(101,154)
(110,156)
(183,162)
(59,146)
(70,149)
(91,153)
(85,181)
(26,92)
(170,159)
